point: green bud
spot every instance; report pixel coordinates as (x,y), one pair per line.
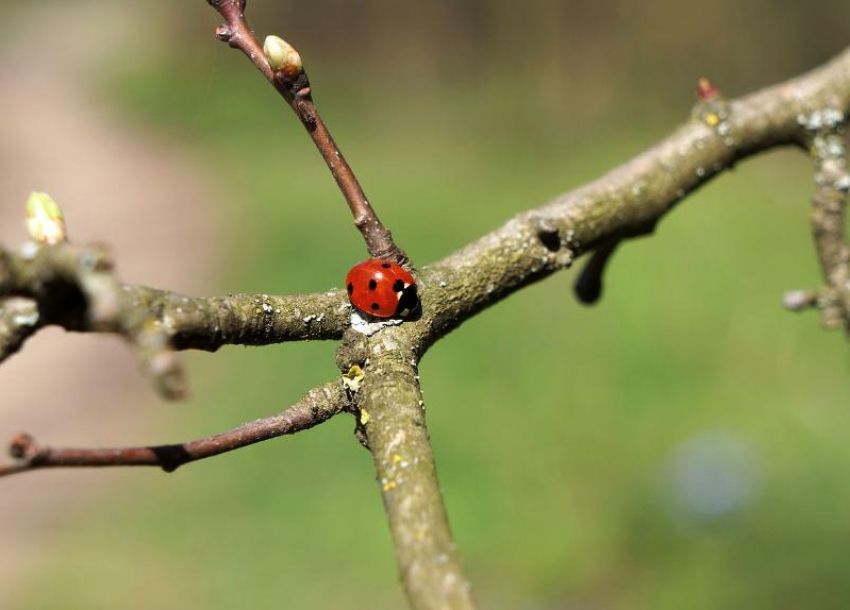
(282,57)
(45,221)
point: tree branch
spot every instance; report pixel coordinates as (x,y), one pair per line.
(828,217)
(627,200)
(74,287)
(294,86)
(319,405)
(207,323)
(392,414)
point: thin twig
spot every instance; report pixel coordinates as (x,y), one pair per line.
(298,94)
(319,405)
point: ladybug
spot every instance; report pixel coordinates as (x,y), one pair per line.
(381,289)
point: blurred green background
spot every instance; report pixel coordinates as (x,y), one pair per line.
(680,445)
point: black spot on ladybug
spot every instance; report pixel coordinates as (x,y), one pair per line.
(372,284)
(398,286)
(375,307)
(350,288)
(386,265)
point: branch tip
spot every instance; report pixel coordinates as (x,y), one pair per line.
(705,90)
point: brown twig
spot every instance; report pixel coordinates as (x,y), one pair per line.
(296,90)
(319,405)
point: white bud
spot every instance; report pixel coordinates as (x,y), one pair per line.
(45,221)
(282,57)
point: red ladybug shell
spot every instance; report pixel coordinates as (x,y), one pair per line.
(377,286)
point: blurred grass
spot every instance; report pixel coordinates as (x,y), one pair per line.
(555,426)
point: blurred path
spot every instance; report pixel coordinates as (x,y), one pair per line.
(117,185)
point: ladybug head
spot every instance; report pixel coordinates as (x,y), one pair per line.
(408,304)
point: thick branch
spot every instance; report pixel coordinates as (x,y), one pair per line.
(392,413)
(207,323)
(319,405)
(74,287)
(625,201)
(296,90)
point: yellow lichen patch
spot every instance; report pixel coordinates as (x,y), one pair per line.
(712,119)
(364,417)
(352,379)
(396,458)
(389,485)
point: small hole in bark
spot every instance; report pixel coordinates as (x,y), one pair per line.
(550,238)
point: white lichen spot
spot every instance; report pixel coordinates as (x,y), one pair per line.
(638,189)
(443,283)
(26,318)
(843,183)
(29,250)
(700,172)
(310,318)
(819,120)
(367,325)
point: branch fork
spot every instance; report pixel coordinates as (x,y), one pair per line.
(74,287)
